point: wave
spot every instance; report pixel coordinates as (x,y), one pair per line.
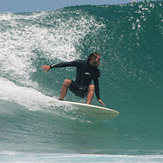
(129,39)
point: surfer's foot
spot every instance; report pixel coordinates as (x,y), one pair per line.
(60,99)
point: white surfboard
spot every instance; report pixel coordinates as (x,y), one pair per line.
(93,110)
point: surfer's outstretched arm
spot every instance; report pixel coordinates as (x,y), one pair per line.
(46,68)
(63,64)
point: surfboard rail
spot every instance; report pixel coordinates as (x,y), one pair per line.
(94,111)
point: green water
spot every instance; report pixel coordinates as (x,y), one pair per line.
(128,37)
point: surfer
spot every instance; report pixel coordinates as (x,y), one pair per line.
(86,72)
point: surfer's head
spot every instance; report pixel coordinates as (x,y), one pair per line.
(94,59)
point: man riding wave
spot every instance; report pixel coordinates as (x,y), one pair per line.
(86,72)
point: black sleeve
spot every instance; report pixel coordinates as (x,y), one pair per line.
(66,64)
(97,91)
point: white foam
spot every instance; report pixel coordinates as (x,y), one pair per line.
(34,100)
(27,38)
(27,97)
(12,156)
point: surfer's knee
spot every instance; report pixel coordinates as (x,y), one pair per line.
(67,82)
(92,87)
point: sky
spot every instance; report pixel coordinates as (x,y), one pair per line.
(40,5)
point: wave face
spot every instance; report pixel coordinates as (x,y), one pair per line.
(129,38)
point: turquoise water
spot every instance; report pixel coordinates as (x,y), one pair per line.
(129,38)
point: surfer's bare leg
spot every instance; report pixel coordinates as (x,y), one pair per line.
(64,88)
(91,91)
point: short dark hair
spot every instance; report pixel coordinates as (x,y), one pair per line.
(92,55)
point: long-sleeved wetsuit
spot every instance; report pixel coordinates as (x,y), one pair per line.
(84,75)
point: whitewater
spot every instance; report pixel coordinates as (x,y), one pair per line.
(129,39)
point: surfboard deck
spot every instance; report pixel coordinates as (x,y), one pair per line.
(93,111)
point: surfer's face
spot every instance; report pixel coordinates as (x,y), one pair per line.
(97,60)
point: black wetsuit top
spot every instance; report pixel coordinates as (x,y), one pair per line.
(85,73)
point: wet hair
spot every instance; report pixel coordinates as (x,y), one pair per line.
(92,55)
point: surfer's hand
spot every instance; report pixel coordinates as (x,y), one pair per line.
(45,68)
(100,101)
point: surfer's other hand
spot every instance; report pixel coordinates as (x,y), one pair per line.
(100,101)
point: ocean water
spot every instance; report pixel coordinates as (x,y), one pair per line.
(129,38)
